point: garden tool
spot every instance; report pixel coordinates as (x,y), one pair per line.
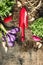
(23,22)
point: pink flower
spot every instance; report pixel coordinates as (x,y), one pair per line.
(36,38)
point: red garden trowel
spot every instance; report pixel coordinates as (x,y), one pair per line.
(23,22)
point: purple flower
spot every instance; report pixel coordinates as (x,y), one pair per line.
(11,36)
(17,29)
(10,44)
(10,39)
(14,31)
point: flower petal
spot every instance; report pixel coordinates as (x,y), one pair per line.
(13,31)
(36,38)
(11,37)
(17,29)
(8,38)
(11,44)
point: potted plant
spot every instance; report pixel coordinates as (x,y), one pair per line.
(37,30)
(6,9)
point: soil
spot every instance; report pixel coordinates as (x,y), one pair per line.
(16,56)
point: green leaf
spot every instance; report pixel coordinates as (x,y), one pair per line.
(0,35)
(37,27)
(6,7)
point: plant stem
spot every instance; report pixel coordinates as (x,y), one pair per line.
(2,28)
